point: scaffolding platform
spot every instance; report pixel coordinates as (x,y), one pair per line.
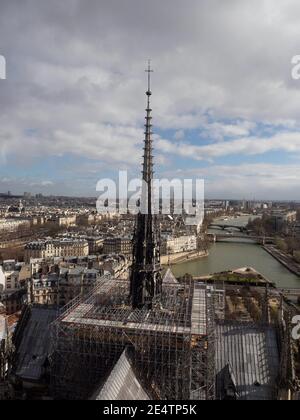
(169,341)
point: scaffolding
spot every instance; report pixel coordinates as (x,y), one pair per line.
(171,345)
(5,358)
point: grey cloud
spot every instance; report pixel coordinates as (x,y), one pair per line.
(74,65)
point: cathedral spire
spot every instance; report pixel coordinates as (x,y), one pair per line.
(148,152)
(146,271)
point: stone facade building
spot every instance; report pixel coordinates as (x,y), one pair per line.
(118,245)
(175,245)
(58,289)
(56,248)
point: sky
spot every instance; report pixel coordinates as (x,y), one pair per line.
(225,105)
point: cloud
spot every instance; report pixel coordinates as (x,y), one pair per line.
(42,184)
(218,131)
(288,142)
(179,135)
(248,181)
(19,184)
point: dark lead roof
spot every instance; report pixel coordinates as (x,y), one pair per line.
(33,350)
(251,352)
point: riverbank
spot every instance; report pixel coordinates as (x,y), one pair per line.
(246,276)
(228,256)
(284,259)
(182,257)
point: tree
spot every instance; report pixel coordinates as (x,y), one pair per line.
(282,245)
(293,244)
(297,257)
(203,243)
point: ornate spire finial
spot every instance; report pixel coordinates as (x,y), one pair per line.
(149,71)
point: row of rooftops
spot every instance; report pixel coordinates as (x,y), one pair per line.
(64,270)
(12,265)
(43,244)
(65,276)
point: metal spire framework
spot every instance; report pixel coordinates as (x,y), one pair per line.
(146,281)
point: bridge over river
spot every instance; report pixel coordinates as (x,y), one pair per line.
(261,240)
(226,227)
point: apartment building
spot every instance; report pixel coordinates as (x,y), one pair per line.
(37,250)
(71,247)
(175,245)
(63,220)
(13,279)
(12,275)
(11,225)
(282,219)
(60,288)
(65,247)
(118,245)
(116,265)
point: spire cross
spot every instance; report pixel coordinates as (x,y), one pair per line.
(149,71)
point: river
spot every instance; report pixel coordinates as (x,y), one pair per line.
(226,256)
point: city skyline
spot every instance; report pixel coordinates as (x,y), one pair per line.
(226,106)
